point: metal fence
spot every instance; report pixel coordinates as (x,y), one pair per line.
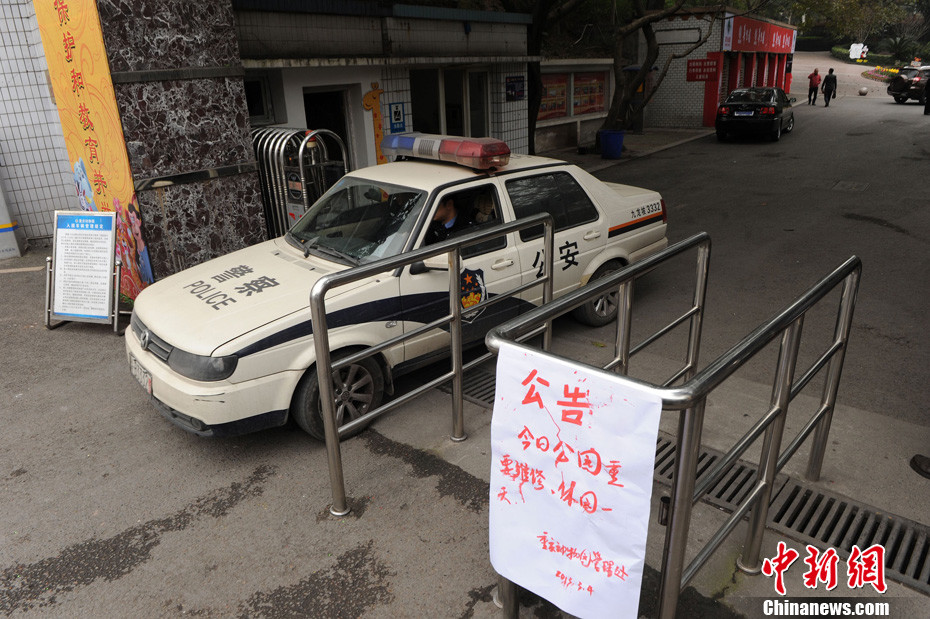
(453,320)
(690,397)
(295,168)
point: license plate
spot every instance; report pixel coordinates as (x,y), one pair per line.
(142,375)
(742,113)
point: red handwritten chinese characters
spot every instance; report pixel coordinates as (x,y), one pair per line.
(572,405)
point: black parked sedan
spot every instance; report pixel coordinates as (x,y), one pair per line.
(764,111)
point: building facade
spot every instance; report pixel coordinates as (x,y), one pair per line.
(740,51)
(193,80)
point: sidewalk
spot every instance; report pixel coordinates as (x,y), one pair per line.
(635,145)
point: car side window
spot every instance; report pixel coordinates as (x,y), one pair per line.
(557,193)
(476,208)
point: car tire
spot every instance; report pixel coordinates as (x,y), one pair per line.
(721,135)
(776,133)
(900,99)
(602,310)
(790,126)
(358,388)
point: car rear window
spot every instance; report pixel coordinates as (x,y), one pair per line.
(907,73)
(749,96)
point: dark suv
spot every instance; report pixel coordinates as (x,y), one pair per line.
(909,83)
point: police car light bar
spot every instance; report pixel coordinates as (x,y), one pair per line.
(479,153)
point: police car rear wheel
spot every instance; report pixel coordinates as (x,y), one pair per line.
(357,390)
(602,310)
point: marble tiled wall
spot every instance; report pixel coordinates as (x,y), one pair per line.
(34,172)
(175,124)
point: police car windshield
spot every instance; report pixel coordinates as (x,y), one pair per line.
(360,219)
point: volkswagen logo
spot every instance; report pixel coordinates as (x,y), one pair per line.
(144,339)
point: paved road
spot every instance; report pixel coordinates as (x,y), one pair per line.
(850,179)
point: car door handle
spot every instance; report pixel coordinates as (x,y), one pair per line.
(591,235)
(502,264)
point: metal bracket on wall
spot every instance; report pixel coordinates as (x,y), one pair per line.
(195,177)
(182,73)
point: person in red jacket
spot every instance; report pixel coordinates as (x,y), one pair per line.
(813,83)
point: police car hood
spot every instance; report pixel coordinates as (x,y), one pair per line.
(206,306)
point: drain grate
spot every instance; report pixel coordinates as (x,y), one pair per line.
(816,517)
(825,519)
(477,387)
(804,514)
(732,489)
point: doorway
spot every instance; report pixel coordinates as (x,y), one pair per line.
(327,110)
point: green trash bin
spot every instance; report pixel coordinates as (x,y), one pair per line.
(611,144)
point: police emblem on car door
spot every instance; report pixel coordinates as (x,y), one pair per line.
(491,267)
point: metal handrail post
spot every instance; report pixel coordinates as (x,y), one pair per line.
(455,331)
(548,282)
(509,598)
(750,562)
(690,424)
(328,402)
(834,371)
(697,319)
(624,326)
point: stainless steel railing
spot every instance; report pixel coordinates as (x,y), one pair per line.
(690,399)
(283,153)
(453,249)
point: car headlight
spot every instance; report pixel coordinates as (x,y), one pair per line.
(199,367)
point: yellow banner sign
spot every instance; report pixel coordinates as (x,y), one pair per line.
(90,121)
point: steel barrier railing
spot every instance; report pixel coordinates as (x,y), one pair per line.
(303,153)
(453,249)
(690,399)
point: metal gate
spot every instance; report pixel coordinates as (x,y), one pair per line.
(295,169)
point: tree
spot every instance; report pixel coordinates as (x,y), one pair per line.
(854,20)
(545,13)
(624,106)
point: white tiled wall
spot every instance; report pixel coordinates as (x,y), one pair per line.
(508,118)
(34,171)
(677,102)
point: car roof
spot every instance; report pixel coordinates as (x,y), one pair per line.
(427,175)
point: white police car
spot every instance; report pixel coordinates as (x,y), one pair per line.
(226,347)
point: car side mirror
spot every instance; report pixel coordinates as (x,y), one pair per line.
(430,264)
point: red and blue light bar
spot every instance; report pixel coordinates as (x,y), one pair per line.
(478,153)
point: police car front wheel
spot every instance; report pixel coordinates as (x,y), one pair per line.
(357,390)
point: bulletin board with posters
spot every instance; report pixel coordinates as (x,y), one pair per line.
(554,103)
(79,74)
(572,456)
(83,275)
(589,93)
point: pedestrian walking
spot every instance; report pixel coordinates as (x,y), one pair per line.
(828,88)
(813,83)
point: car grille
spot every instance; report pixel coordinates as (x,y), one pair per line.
(149,341)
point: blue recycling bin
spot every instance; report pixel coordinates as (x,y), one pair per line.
(611,144)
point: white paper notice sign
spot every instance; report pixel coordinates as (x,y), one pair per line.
(82,262)
(573,453)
